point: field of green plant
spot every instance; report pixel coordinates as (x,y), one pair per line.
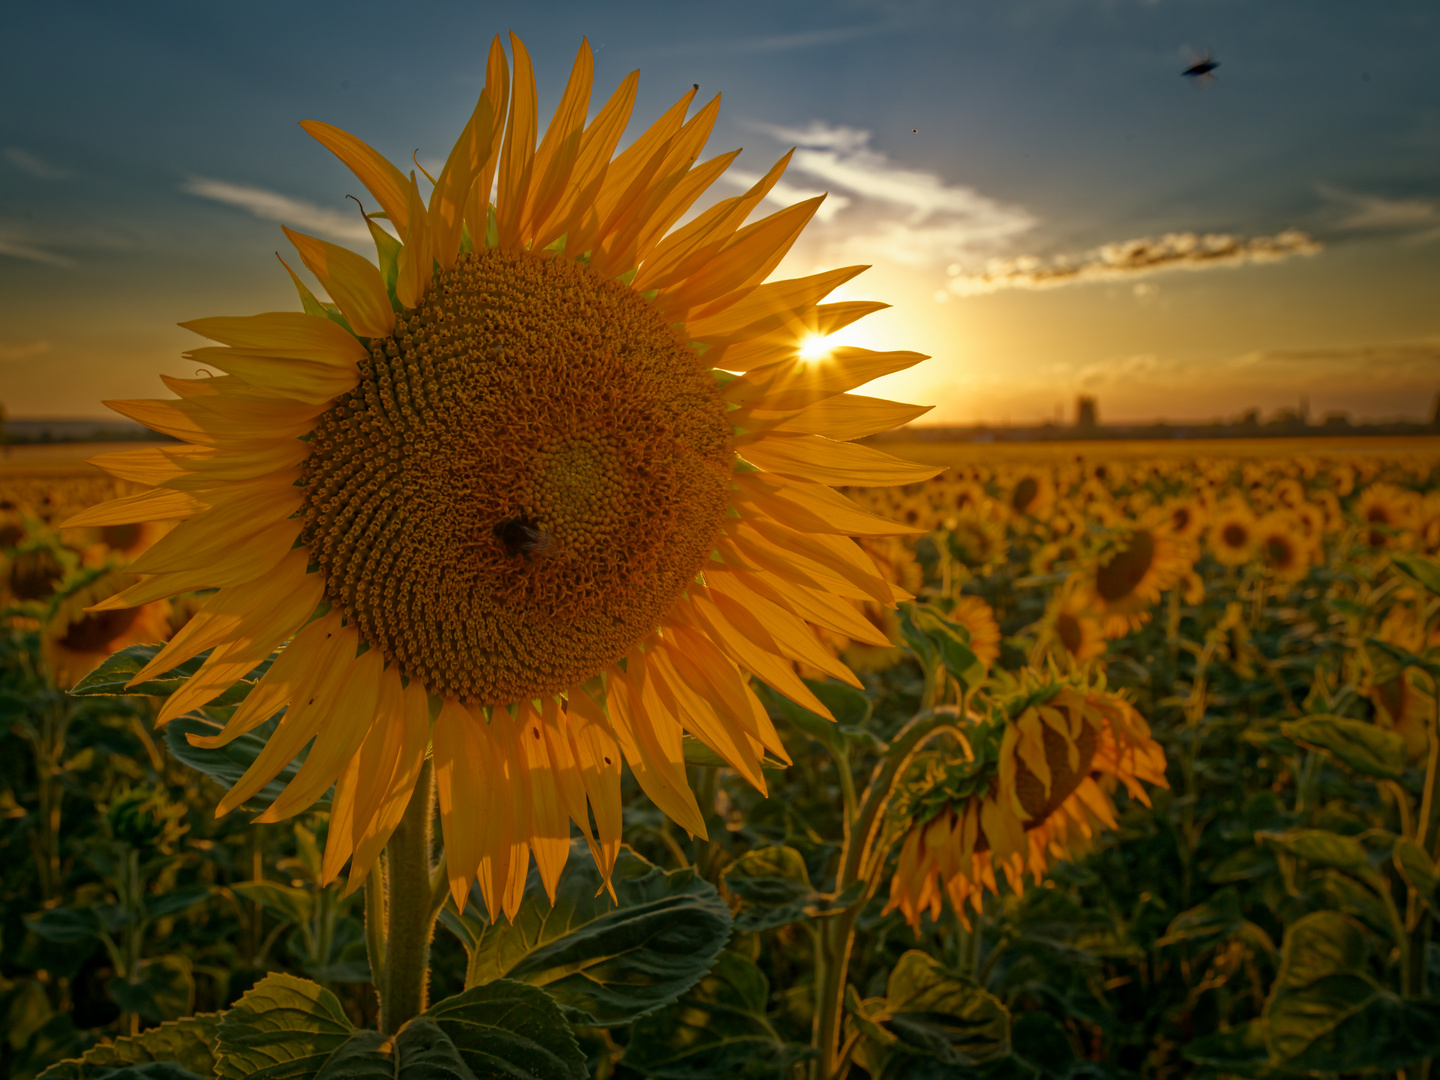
(1145,786)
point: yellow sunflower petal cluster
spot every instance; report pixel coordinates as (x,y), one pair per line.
(542,488)
(1047,796)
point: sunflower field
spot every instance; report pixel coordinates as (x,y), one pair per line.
(1140,782)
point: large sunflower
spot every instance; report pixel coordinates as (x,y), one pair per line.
(509,497)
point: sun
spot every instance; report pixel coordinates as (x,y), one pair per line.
(815,347)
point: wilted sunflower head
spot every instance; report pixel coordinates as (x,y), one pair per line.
(34,572)
(1032,784)
(536,491)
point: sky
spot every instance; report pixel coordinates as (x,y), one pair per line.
(1049,206)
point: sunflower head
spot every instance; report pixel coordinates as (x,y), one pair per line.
(535,492)
(1232,534)
(1030,784)
(1384,511)
(1283,547)
(978,618)
(1132,571)
(145,818)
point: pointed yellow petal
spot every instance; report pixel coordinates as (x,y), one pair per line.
(352,281)
(390,764)
(517,157)
(382,179)
(159,505)
(286,333)
(550,826)
(461,778)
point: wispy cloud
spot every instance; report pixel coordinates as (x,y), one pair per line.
(35,166)
(10,352)
(895,212)
(18,248)
(1131,258)
(1375,212)
(274,206)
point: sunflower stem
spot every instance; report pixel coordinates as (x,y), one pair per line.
(410,918)
(375,923)
(860,850)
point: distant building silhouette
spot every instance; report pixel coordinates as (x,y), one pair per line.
(1087,414)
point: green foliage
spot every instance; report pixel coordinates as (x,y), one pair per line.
(187,1045)
(1369,750)
(605,962)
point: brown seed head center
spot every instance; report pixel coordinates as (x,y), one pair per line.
(528,474)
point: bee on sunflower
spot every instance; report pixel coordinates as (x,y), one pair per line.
(1031,784)
(533,495)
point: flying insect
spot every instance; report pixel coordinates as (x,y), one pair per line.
(1201,70)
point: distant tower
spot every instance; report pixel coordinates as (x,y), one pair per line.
(1086,413)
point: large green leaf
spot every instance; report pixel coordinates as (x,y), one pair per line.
(1363,747)
(283,1028)
(717,1030)
(1327,1014)
(773,886)
(930,1023)
(291,1029)
(186,1045)
(226,764)
(605,963)
(1318,846)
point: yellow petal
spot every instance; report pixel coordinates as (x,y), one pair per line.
(461,779)
(811,457)
(813,507)
(390,763)
(382,179)
(159,505)
(549,824)
(304,380)
(286,333)
(517,157)
(352,281)
(851,416)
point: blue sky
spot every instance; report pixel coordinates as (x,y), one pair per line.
(1048,205)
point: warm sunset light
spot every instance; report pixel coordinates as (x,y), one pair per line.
(816,347)
(733,541)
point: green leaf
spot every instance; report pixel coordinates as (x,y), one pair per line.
(1425,571)
(507,1029)
(1404,657)
(1327,1014)
(283,1028)
(65,926)
(183,1044)
(164,988)
(1417,870)
(175,901)
(109,679)
(938,640)
(1242,1051)
(850,707)
(717,1030)
(1218,917)
(604,963)
(292,904)
(936,1014)
(1363,747)
(226,764)
(774,886)
(1319,847)
(291,1029)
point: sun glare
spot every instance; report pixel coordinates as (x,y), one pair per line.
(815,347)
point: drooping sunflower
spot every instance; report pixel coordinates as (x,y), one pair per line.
(1035,789)
(1128,580)
(1232,534)
(551,478)
(75,641)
